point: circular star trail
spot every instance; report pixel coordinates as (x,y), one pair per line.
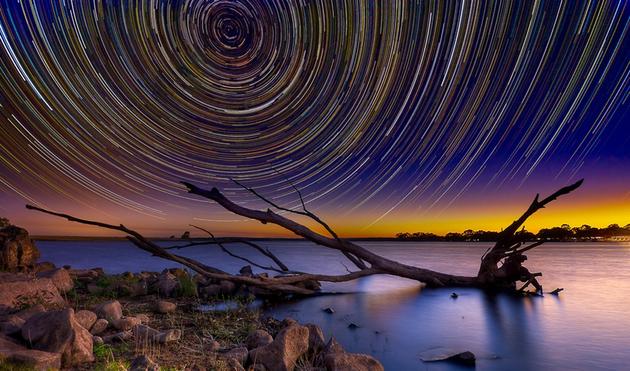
(359,104)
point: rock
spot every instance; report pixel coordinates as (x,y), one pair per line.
(329,310)
(109,310)
(169,336)
(240,354)
(222,288)
(86,318)
(454,295)
(132,289)
(257,339)
(125,323)
(29,312)
(163,306)
(246,271)
(285,350)
(349,361)
(441,354)
(17,250)
(227,287)
(143,363)
(288,322)
(167,284)
(30,358)
(11,325)
(143,318)
(465,358)
(144,333)
(86,275)
(353,326)
(99,326)
(232,364)
(19,291)
(59,332)
(147,335)
(118,337)
(210,290)
(97,340)
(213,346)
(337,359)
(332,347)
(60,278)
(315,338)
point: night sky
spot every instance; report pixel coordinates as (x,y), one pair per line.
(388,116)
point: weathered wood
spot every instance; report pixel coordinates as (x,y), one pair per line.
(501,266)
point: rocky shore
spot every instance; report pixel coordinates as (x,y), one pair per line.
(65,318)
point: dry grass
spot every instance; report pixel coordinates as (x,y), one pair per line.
(199,329)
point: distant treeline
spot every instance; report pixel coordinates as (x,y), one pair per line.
(562,233)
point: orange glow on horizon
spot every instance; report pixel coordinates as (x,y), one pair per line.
(597,212)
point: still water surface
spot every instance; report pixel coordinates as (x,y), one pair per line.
(587,327)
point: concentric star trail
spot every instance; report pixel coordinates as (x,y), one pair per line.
(366,106)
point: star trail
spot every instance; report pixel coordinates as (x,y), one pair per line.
(380,112)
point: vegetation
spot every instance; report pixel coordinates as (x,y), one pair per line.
(562,233)
(4,222)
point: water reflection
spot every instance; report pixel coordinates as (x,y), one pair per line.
(586,327)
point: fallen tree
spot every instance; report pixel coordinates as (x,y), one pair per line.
(501,266)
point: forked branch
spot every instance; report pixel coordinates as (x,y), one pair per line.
(501,266)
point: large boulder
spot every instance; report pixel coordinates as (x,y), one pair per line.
(20,290)
(17,250)
(59,332)
(284,351)
(60,278)
(30,358)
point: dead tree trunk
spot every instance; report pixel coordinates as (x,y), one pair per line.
(501,266)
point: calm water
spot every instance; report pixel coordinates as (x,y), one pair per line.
(586,328)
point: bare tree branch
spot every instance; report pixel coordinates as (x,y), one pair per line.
(354,259)
(508,250)
(282,284)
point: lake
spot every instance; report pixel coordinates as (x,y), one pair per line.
(586,327)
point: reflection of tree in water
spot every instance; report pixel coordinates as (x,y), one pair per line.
(512,329)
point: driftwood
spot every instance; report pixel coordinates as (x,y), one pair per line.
(501,266)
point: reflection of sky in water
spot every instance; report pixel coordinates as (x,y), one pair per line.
(586,327)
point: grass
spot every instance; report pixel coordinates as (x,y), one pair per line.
(187,288)
(12,366)
(110,357)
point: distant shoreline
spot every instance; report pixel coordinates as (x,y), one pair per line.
(364,239)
